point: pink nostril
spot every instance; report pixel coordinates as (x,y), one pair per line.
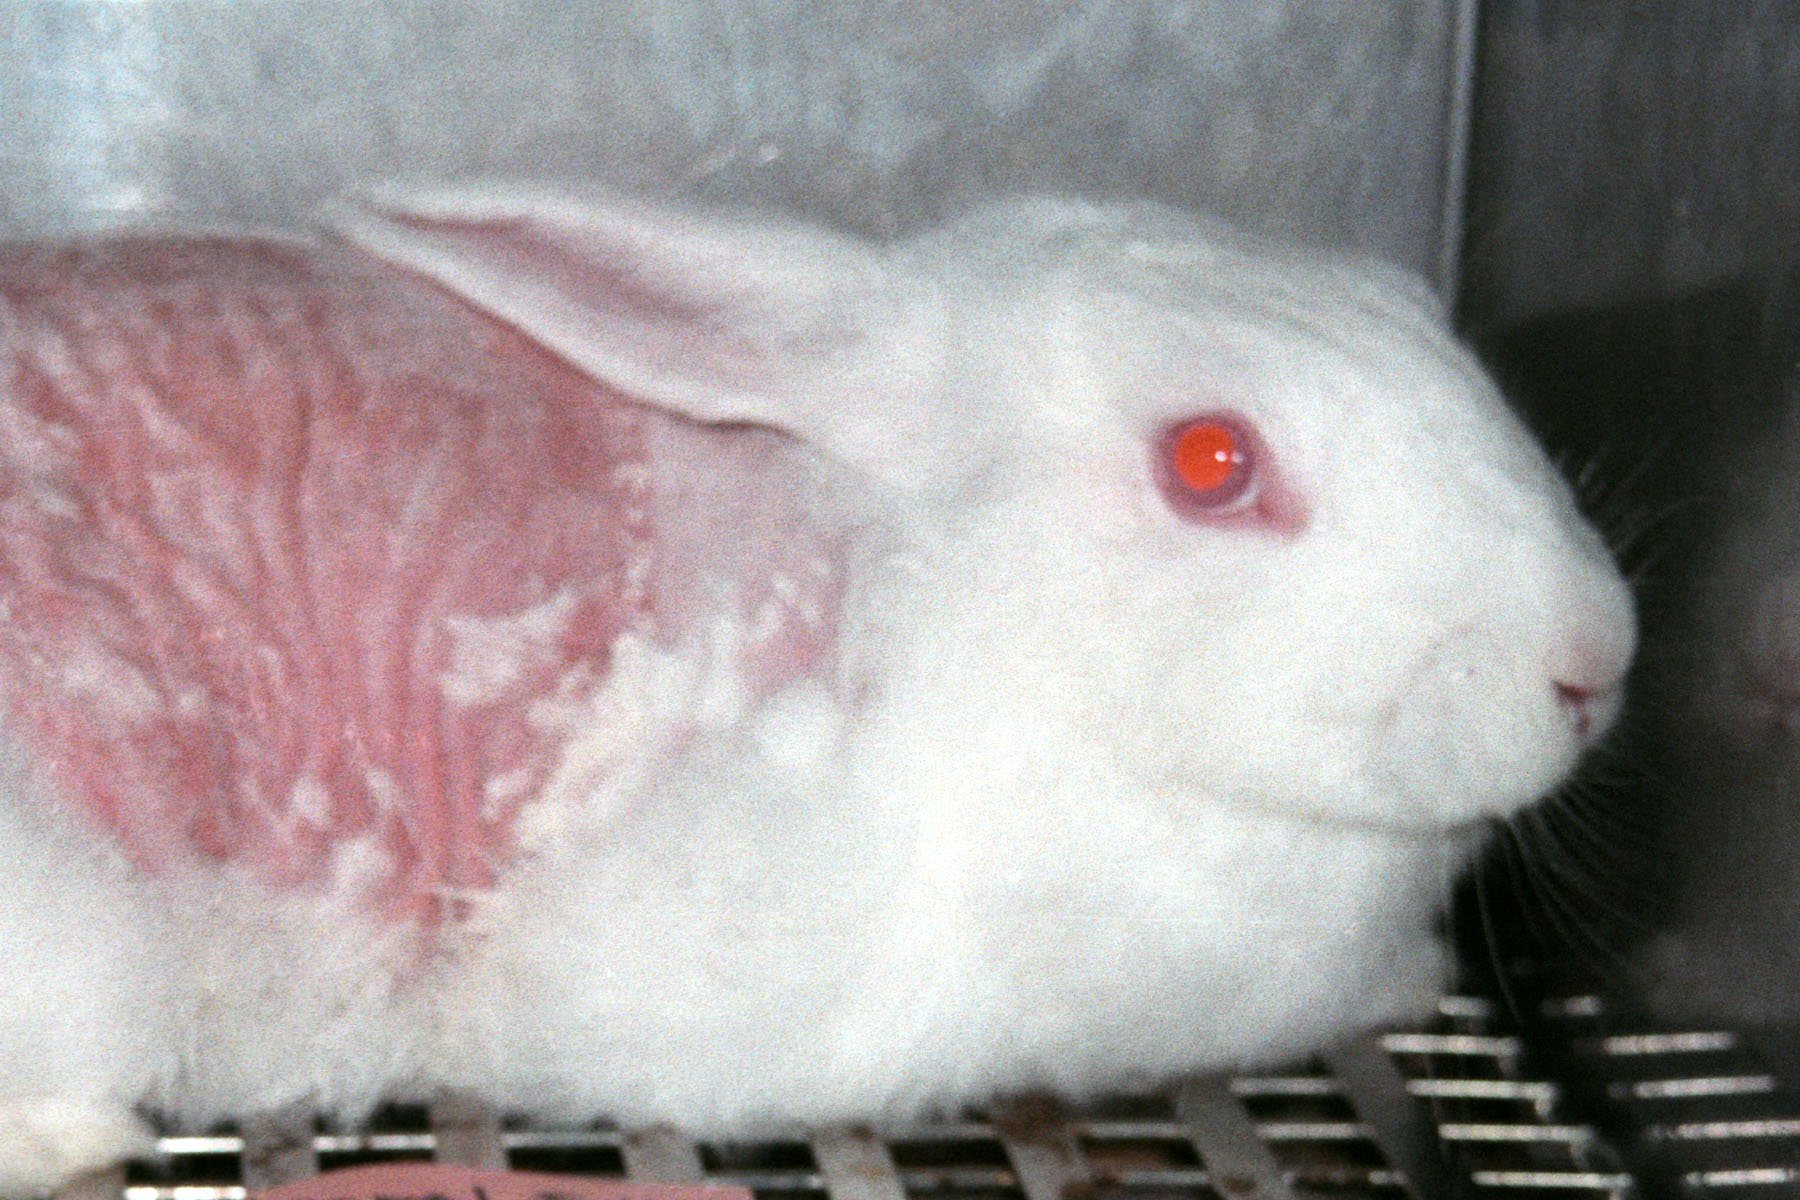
(1589,678)
(1579,701)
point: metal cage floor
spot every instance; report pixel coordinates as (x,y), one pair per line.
(1455,1109)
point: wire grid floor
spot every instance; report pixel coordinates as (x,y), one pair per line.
(1449,1110)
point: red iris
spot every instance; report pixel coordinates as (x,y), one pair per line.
(1207,464)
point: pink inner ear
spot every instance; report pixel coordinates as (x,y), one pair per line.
(597,279)
(293,556)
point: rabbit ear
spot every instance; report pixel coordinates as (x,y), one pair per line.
(816,335)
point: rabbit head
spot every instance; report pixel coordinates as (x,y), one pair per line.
(1241,523)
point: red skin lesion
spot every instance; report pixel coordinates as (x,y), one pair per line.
(245,490)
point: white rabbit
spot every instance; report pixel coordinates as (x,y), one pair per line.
(685,669)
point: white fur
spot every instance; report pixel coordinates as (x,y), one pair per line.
(85,1023)
(1090,794)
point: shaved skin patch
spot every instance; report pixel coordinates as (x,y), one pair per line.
(299,556)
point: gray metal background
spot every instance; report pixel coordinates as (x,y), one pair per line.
(1631,153)
(1620,151)
(1335,121)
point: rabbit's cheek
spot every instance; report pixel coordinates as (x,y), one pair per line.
(1474,734)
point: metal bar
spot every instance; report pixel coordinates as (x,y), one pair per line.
(1568,1135)
(1590,1181)
(1398,1126)
(1537,1093)
(1742,1177)
(184,1143)
(855,1165)
(1463,1044)
(1690,1089)
(1046,1159)
(1713,1042)
(1284,1085)
(1458,120)
(1466,1008)
(278,1148)
(660,1154)
(466,1132)
(1744,1129)
(1238,1162)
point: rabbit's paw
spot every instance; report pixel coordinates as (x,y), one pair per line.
(44,1143)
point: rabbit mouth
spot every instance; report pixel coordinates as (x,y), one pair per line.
(1420,827)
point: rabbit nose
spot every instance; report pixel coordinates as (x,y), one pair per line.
(1590,652)
(1592,693)
(1579,701)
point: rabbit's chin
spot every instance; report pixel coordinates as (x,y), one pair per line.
(1465,836)
(1396,791)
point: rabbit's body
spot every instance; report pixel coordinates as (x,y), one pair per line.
(694,975)
(726,675)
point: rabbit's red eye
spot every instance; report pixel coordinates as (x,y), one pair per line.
(1206,456)
(1207,464)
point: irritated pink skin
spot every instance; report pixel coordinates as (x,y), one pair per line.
(253,498)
